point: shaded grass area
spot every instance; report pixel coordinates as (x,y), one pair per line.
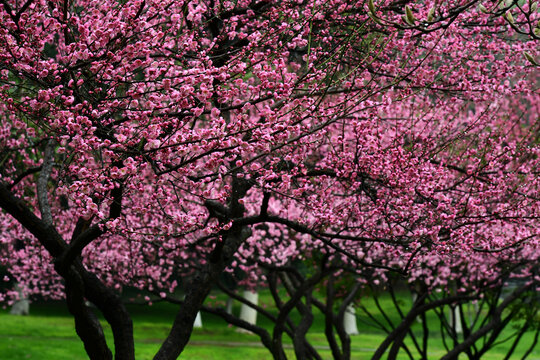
(48,333)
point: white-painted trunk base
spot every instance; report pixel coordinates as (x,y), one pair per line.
(22,305)
(414,297)
(247,313)
(229,306)
(198,321)
(455,320)
(349,321)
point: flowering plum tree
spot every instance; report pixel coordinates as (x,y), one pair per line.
(326,287)
(160,144)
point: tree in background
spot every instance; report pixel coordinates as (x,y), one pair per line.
(159,144)
(473,291)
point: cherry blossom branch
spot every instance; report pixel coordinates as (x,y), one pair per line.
(82,238)
(23,9)
(509,246)
(46,234)
(322,236)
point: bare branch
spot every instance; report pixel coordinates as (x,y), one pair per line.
(24,174)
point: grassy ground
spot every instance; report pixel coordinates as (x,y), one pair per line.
(49,334)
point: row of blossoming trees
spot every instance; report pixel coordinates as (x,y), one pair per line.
(163,145)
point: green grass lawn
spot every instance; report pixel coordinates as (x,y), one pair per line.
(48,333)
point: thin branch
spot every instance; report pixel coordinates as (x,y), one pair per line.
(24,174)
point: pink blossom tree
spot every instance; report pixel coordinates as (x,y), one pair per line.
(160,144)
